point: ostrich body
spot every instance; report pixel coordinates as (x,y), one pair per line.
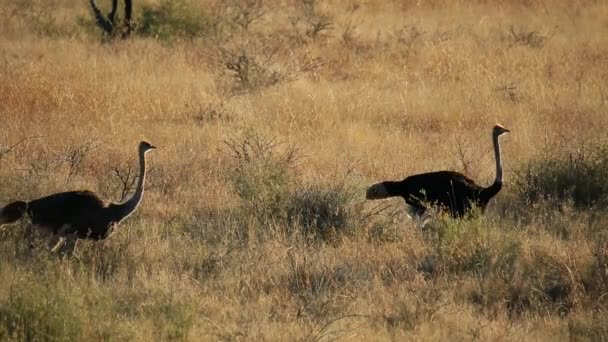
(449,191)
(76,215)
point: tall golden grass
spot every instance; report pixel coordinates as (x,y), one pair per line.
(387,89)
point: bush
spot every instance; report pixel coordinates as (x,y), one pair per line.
(460,246)
(264,179)
(173,19)
(249,73)
(37,313)
(261,174)
(321,210)
(579,176)
(166,21)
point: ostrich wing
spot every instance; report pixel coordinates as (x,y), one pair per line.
(61,208)
(435,184)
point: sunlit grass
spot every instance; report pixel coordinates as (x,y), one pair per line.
(277,243)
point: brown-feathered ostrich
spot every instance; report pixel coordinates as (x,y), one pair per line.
(449,191)
(77,215)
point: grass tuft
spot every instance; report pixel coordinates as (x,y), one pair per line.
(33,313)
(239,237)
(579,176)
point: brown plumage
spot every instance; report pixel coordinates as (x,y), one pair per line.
(78,214)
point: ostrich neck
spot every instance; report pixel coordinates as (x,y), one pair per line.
(128,207)
(486,194)
(498,161)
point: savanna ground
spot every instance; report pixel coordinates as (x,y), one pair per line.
(272,117)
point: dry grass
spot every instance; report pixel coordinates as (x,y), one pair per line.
(338,95)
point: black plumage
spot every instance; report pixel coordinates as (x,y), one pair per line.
(81,213)
(448,191)
(12,212)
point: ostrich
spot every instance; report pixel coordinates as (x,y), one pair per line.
(77,215)
(450,191)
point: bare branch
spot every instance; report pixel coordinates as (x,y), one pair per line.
(108,24)
(102,21)
(128,14)
(4,150)
(127,178)
(112,14)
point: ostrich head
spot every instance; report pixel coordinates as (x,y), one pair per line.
(499,130)
(377,191)
(12,212)
(145,146)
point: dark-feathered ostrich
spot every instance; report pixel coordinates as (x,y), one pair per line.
(77,215)
(449,191)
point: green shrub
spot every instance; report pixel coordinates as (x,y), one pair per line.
(265,180)
(262,174)
(320,210)
(251,71)
(263,186)
(580,177)
(525,281)
(172,19)
(461,246)
(38,313)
